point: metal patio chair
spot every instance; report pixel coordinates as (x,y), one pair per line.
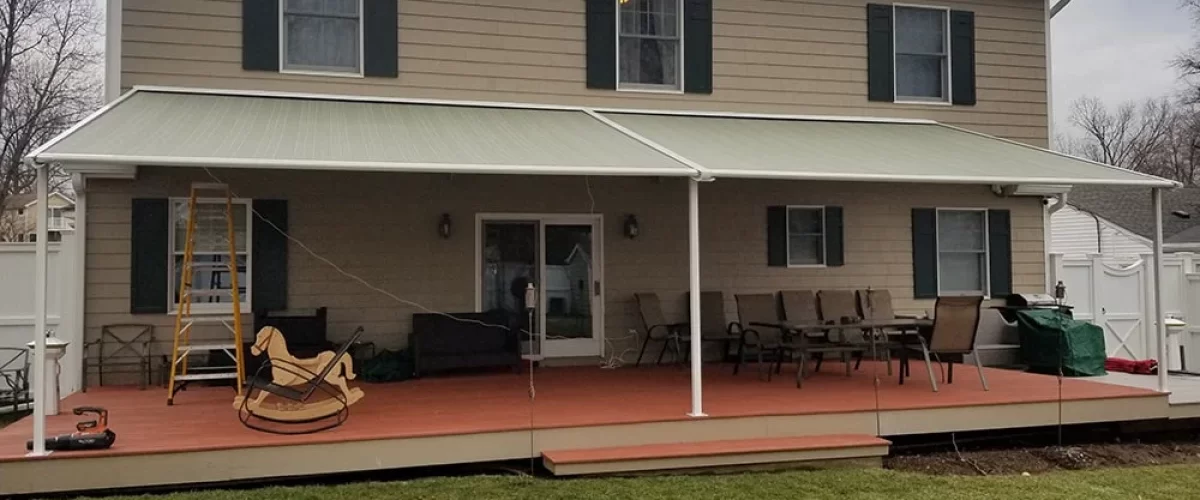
(800,307)
(765,344)
(121,349)
(715,328)
(955,324)
(14,377)
(656,328)
(839,307)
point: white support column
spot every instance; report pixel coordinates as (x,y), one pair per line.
(694,295)
(1160,326)
(39,312)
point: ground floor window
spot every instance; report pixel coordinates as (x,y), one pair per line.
(962,252)
(210,272)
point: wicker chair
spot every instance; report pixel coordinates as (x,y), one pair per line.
(955,323)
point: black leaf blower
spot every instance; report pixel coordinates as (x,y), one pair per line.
(89,435)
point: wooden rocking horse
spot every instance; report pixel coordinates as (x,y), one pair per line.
(302,395)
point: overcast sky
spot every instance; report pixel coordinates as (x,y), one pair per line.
(1117,50)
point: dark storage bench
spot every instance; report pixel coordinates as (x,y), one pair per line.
(440,343)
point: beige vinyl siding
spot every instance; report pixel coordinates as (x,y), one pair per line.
(800,56)
(383,227)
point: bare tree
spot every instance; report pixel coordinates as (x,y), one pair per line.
(49,78)
(1129,136)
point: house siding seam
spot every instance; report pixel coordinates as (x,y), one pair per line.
(802,57)
(389,237)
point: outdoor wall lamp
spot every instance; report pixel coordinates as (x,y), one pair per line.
(444,227)
(631,227)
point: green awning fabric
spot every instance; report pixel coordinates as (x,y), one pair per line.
(208,129)
(847,150)
(240,129)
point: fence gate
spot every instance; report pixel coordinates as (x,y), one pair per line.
(1115,298)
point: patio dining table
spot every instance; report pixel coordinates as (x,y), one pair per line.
(889,327)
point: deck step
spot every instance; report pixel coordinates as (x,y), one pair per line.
(716,454)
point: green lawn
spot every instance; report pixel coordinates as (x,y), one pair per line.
(1174,482)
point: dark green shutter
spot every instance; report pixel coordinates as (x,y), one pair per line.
(777,237)
(835,248)
(269,256)
(380,43)
(149,256)
(1000,252)
(602,44)
(881,62)
(962,56)
(924,253)
(260,35)
(697,51)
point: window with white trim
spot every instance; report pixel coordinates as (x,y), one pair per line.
(650,39)
(211,247)
(321,36)
(922,43)
(806,236)
(962,252)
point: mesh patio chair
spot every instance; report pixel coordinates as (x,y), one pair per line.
(955,324)
(714,326)
(876,305)
(800,306)
(839,307)
(763,343)
(14,377)
(656,328)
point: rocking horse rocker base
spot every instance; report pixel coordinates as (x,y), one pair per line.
(297,399)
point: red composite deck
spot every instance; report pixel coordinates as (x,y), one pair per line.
(203,418)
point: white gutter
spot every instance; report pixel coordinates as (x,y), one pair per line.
(368,166)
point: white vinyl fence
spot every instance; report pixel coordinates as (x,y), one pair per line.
(1119,298)
(16,302)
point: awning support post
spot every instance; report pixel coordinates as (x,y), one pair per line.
(1160,325)
(39,311)
(696,353)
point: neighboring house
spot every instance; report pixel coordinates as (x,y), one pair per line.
(18,222)
(1118,223)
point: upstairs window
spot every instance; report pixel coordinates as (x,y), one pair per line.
(323,36)
(922,54)
(650,39)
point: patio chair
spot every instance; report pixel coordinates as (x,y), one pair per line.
(955,324)
(877,305)
(764,343)
(714,326)
(121,349)
(839,307)
(14,377)
(800,306)
(655,325)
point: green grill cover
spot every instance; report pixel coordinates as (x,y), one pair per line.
(1082,347)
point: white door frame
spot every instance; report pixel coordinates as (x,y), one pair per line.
(554,348)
